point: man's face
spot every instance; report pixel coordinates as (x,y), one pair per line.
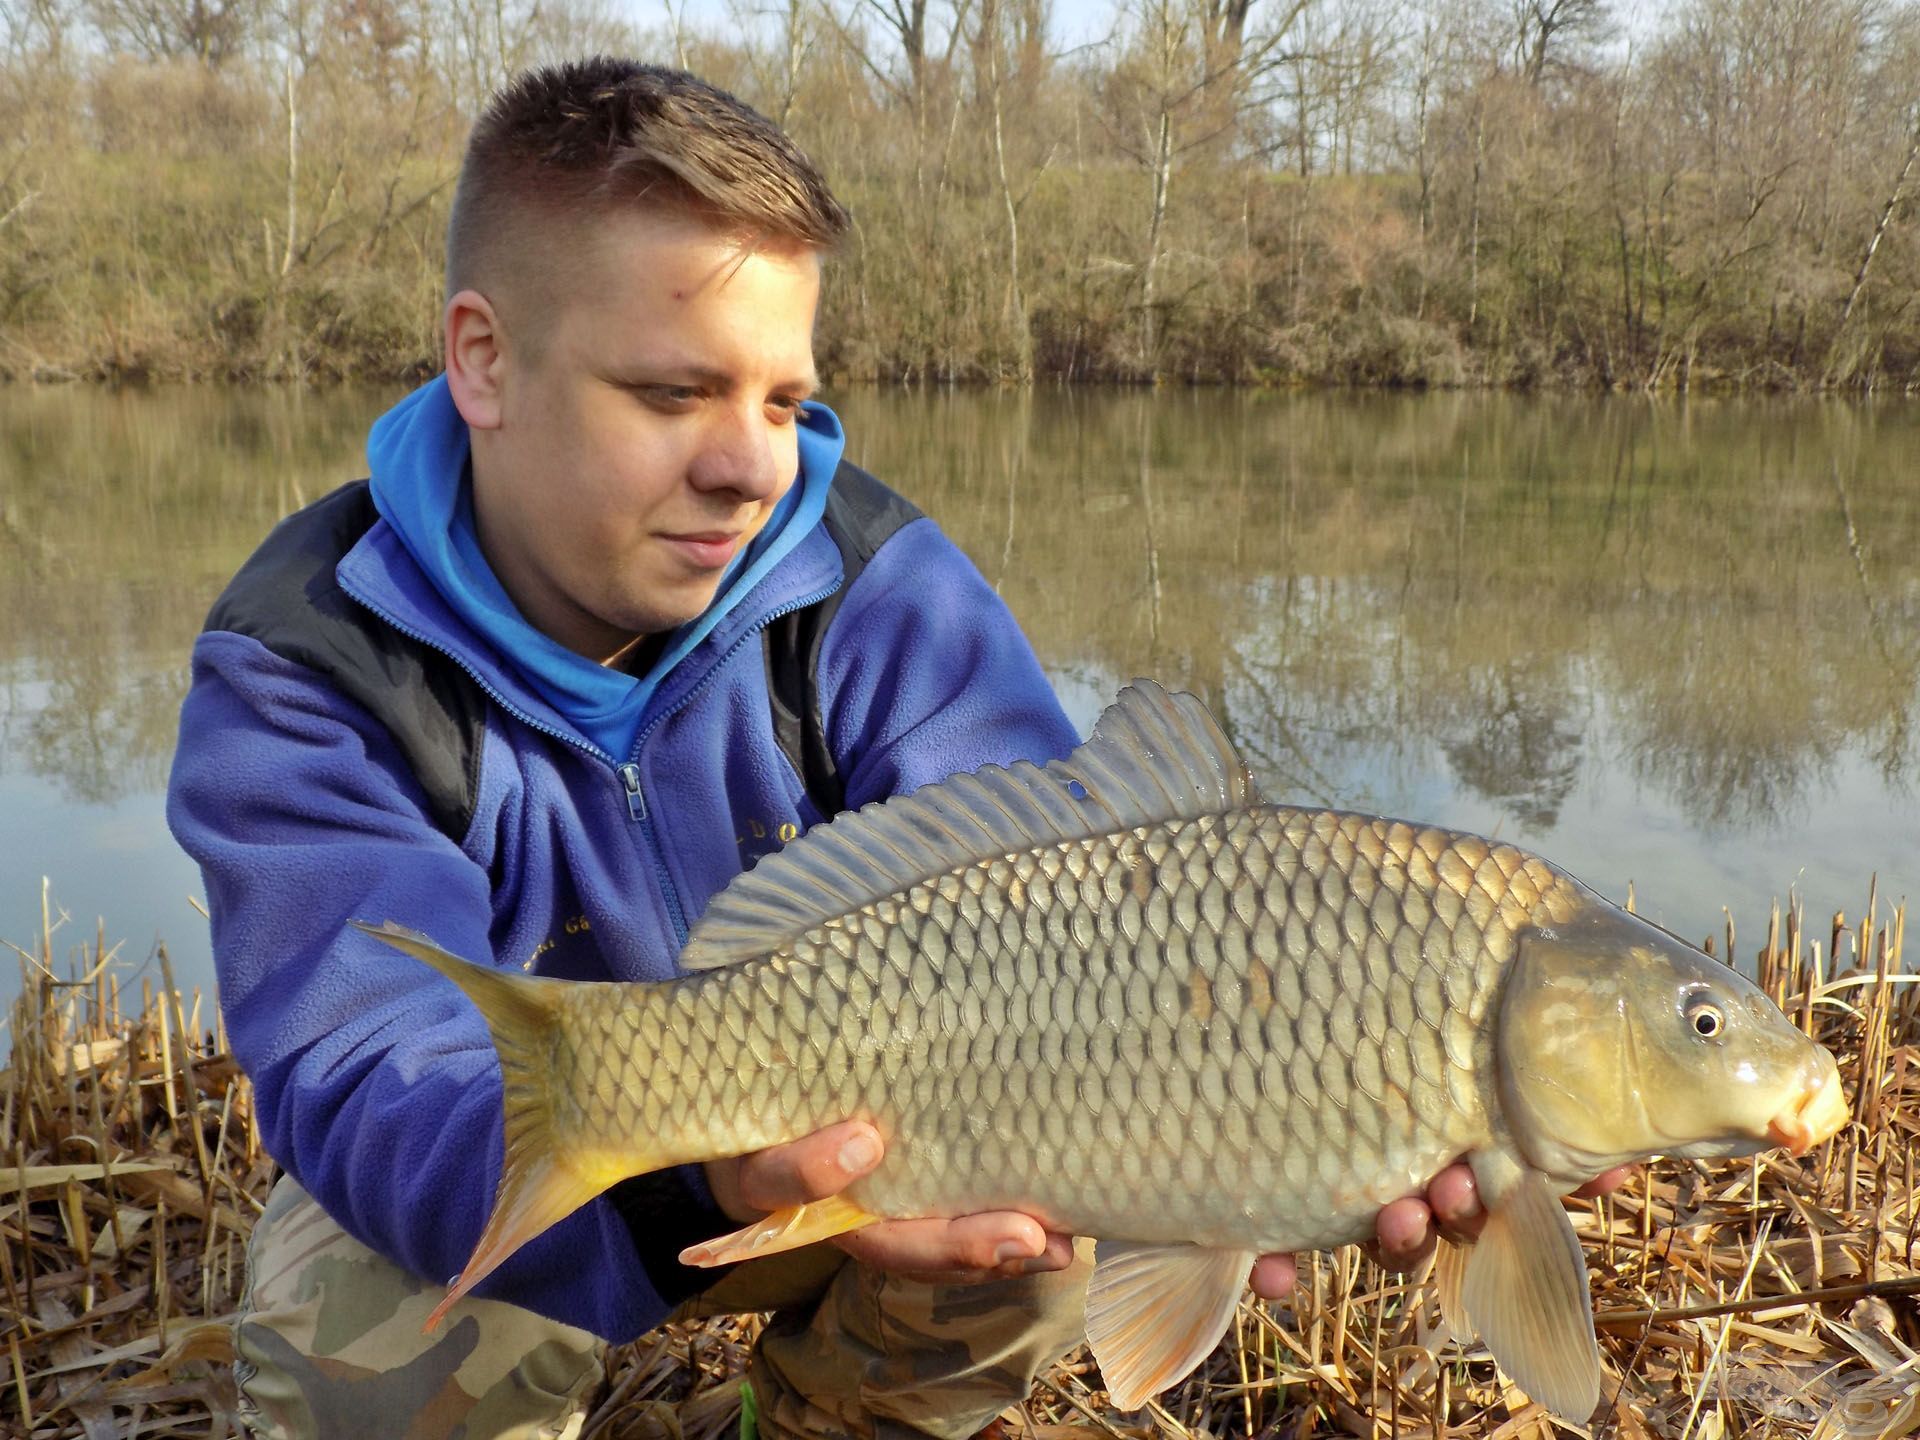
(646,438)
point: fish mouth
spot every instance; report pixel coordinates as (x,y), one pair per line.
(1820,1112)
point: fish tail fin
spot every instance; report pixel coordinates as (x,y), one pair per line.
(540,1182)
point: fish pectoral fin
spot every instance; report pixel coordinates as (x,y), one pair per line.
(1525,1292)
(1449,1278)
(1156,1311)
(786,1229)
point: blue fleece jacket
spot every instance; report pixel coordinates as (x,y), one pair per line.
(375,1081)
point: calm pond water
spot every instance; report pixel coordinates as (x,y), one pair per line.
(1672,645)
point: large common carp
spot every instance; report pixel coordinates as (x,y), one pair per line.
(1122,994)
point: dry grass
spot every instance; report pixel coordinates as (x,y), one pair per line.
(1770,1297)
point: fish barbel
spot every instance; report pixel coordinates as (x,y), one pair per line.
(1122,994)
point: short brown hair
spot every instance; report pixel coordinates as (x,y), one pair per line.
(598,136)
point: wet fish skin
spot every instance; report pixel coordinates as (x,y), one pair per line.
(1251,1029)
(1122,994)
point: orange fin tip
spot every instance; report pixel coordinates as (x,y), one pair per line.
(786,1229)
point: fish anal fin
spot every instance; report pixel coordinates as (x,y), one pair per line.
(787,1229)
(1154,1312)
(1525,1292)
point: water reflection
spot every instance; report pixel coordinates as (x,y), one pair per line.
(121,515)
(1522,746)
(1726,592)
(1641,637)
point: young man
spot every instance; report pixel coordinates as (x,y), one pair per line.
(610,621)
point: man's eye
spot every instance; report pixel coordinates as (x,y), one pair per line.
(784,408)
(670,397)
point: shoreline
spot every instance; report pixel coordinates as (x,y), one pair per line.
(1756,1290)
(114,379)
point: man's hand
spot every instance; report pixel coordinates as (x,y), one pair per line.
(990,1245)
(1405,1231)
(1004,1243)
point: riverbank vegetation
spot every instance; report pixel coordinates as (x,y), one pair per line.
(1764,1298)
(1390,192)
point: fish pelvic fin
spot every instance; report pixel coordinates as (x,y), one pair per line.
(1525,1291)
(539,1184)
(786,1229)
(1449,1279)
(1154,1312)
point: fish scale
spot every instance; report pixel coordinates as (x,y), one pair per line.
(1189,1038)
(1120,993)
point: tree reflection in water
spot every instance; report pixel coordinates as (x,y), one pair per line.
(1522,746)
(1491,608)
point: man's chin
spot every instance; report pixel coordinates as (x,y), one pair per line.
(657,618)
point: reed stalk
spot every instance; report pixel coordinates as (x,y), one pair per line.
(1769,1297)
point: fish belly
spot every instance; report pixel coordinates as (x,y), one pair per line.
(1251,1029)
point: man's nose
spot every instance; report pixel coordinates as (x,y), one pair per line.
(738,455)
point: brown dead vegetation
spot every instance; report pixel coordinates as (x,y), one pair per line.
(1428,193)
(1771,1297)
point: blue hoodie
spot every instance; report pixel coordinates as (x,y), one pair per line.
(375,1081)
(418,454)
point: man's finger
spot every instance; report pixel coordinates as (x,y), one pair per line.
(1273,1277)
(1455,1199)
(810,1168)
(1005,1242)
(1604,1184)
(1404,1233)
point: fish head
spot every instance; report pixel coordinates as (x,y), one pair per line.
(1619,1040)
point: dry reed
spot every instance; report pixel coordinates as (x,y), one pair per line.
(1771,1297)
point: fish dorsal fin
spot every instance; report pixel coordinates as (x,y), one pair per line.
(1153,757)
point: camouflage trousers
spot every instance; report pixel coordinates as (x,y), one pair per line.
(327,1345)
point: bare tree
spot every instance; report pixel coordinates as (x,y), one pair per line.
(778,68)
(907,20)
(1226,23)
(1545,32)
(210,31)
(1730,197)
(1176,92)
(1009,36)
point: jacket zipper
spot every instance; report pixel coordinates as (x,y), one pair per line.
(628,774)
(584,746)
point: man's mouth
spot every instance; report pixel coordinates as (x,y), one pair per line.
(709,549)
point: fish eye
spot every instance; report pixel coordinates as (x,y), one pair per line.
(1706,1019)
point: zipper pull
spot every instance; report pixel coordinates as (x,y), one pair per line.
(636,802)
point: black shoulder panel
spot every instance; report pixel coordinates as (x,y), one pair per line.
(861,515)
(286,597)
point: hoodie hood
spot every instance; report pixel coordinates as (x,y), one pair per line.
(418,454)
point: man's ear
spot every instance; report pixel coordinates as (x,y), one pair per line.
(476,359)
